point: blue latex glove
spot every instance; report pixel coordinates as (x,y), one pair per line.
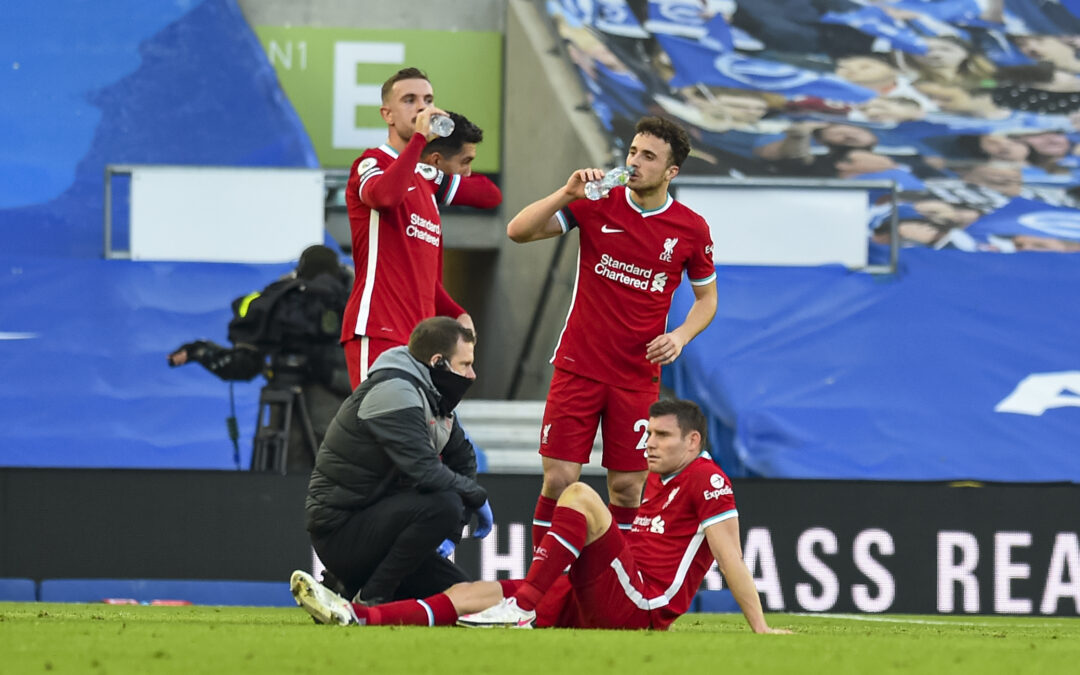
(484,520)
(446,548)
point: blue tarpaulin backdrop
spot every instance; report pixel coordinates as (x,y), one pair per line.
(83,378)
(826,373)
(806,372)
(83,375)
(126,81)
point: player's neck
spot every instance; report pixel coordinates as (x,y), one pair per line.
(651,199)
(395,141)
(690,457)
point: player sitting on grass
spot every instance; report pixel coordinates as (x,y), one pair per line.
(641,579)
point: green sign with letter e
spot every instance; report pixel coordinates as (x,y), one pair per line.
(333,78)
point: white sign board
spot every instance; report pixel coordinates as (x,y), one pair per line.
(225,214)
(783,225)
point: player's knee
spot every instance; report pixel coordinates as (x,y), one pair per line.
(557,479)
(580,496)
(624,489)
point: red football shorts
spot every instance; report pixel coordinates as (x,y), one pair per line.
(577,405)
(605,587)
(360,353)
(598,593)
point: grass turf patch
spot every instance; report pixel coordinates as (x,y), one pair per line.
(73,638)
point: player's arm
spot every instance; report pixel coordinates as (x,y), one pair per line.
(394,414)
(446,306)
(459,453)
(477,191)
(723,538)
(387,189)
(539,220)
(242,362)
(666,348)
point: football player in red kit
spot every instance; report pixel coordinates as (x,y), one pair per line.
(393,203)
(635,245)
(644,578)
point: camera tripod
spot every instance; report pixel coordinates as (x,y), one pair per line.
(270,451)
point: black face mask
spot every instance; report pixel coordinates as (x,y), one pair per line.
(450,385)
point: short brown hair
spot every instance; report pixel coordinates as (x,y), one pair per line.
(448,146)
(669,132)
(687,414)
(403,74)
(437,335)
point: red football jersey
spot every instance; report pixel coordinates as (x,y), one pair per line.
(396,245)
(629,265)
(668,535)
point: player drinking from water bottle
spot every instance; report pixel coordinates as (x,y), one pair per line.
(635,245)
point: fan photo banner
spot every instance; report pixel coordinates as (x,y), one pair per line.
(970,107)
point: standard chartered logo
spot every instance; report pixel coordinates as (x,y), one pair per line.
(423,229)
(349,94)
(631,275)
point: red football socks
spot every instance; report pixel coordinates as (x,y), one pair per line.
(623,516)
(437,610)
(559,548)
(545,510)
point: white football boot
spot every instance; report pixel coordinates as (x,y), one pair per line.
(506,614)
(324,605)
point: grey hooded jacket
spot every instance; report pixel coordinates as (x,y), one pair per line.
(387,438)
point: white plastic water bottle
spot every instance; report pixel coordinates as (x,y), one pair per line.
(596,189)
(441,125)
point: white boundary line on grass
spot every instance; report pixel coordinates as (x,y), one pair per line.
(932,622)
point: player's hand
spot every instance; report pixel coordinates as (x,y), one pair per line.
(423,122)
(485,519)
(466,320)
(575,187)
(664,349)
(191,351)
(445,548)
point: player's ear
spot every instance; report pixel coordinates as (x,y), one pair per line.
(439,361)
(672,171)
(386,114)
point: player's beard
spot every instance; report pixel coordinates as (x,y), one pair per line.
(406,136)
(648,189)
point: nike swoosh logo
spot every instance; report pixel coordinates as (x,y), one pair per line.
(411,188)
(609,230)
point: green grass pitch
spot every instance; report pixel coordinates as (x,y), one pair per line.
(73,638)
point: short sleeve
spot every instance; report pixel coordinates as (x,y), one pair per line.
(576,214)
(715,497)
(700,268)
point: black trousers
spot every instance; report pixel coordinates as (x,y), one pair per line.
(388,549)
